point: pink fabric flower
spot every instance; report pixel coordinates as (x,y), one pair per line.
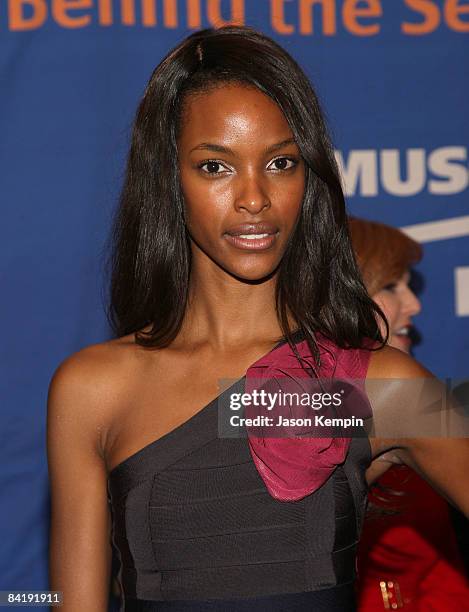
(290,466)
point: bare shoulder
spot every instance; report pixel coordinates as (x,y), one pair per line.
(88,386)
(84,392)
(399,396)
(92,370)
(389,362)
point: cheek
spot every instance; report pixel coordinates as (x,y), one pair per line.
(204,216)
(295,187)
(205,203)
(389,304)
(287,199)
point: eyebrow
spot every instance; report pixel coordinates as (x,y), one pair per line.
(209,146)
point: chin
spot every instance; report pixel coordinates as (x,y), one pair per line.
(252,274)
(402,343)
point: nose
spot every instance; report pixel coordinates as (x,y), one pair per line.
(411,302)
(252,195)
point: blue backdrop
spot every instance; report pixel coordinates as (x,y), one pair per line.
(392,76)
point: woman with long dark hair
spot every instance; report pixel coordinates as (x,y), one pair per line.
(232,260)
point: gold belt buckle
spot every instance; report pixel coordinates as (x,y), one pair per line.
(391,594)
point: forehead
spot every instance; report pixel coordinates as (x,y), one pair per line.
(234,114)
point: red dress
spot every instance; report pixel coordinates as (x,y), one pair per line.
(410,559)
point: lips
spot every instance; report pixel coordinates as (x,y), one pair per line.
(252,236)
(403,331)
(252,229)
(401,338)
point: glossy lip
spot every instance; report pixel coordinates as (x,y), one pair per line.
(233,236)
(263,227)
(252,244)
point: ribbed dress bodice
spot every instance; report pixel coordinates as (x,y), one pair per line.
(193,520)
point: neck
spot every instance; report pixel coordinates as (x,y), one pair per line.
(225,311)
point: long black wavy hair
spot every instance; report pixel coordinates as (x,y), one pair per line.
(318,280)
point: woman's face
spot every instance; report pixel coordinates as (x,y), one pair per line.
(399,304)
(242,178)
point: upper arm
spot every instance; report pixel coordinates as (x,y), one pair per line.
(444,463)
(80,551)
(414,415)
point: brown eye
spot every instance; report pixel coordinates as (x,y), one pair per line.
(212,166)
(281,163)
(284,163)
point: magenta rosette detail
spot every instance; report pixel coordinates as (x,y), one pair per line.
(293,455)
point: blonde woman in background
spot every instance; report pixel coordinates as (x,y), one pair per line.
(408,556)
